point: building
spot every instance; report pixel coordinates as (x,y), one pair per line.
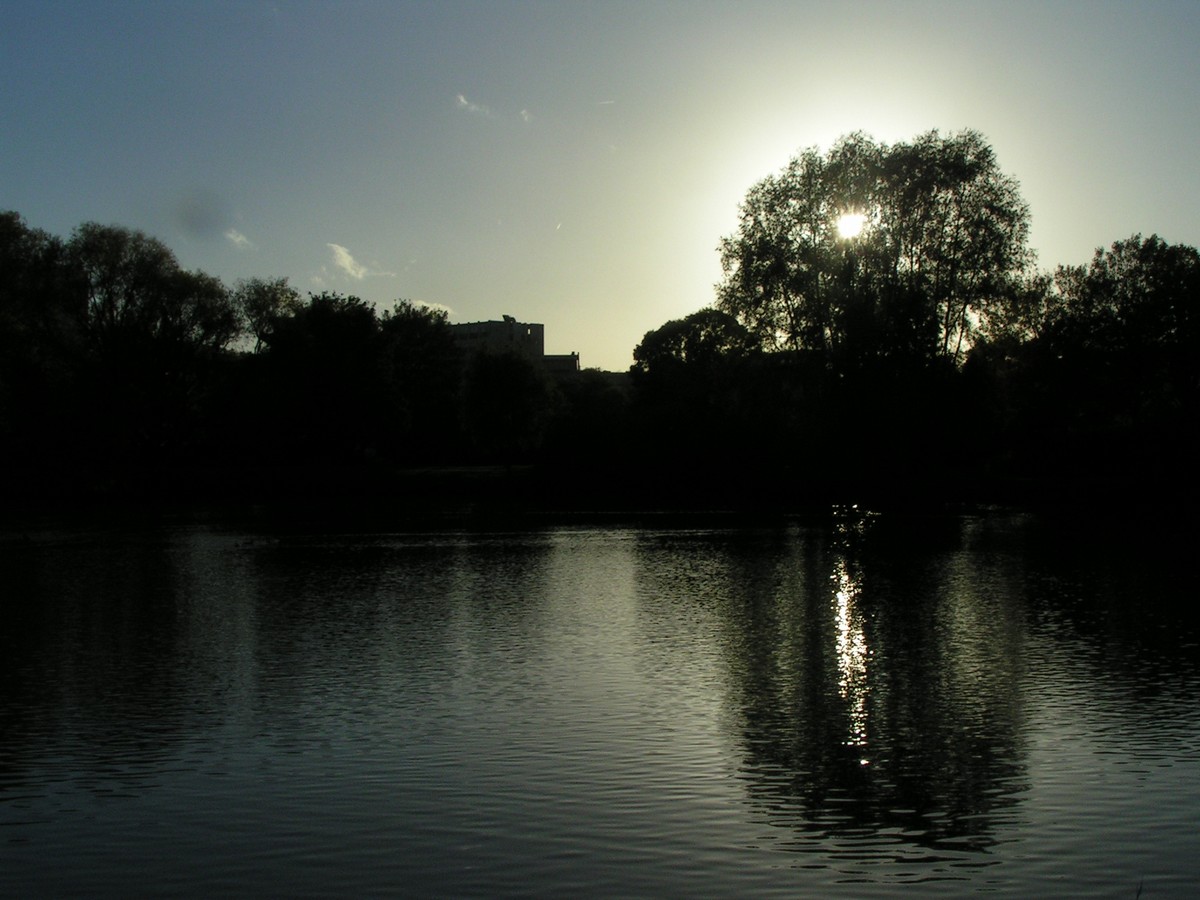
(507,336)
(510,336)
(562,365)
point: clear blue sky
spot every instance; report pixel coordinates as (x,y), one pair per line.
(569,163)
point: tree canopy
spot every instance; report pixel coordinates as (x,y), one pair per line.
(943,240)
(707,337)
(262,303)
(136,293)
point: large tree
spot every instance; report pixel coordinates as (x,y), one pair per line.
(943,238)
(508,402)
(1138,294)
(154,332)
(41,342)
(1126,327)
(704,339)
(1096,385)
(698,386)
(322,382)
(138,295)
(422,372)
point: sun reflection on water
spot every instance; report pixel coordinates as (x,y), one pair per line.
(852,654)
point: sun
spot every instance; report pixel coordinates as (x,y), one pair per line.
(850,225)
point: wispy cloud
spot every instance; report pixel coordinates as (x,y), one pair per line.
(238,239)
(439,307)
(479,109)
(343,259)
(475,108)
(347,263)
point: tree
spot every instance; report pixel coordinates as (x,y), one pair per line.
(705,338)
(695,387)
(39,301)
(41,343)
(1139,294)
(137,294)
(422,370)
(508,402)
(262,303)
(944,239)
(1127,322)
(321,382)
(590,430)
(1098,386)
(153,333)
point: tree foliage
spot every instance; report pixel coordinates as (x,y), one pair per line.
(508,401)
(137,294)
(696,390)
(705,338)
(322,382)
(262,303)
(422,370)
(1126,329)
(1136,294)
(153,332)
(41,338)
(944,241)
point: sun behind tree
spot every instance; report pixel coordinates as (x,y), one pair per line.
(940,242)
(850,225)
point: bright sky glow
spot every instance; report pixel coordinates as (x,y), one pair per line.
(571,163)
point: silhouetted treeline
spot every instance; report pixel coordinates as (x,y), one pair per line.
(122,374)
(908,346)
(1094,396)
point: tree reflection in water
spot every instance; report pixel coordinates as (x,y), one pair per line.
(878,685)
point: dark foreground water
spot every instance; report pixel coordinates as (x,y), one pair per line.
(851,705)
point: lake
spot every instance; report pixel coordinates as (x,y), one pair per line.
(844,704)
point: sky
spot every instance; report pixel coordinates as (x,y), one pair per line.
(569,163)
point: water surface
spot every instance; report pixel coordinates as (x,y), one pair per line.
(835,706)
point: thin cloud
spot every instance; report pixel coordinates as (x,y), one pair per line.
(474,108)
(238,239)
(479,109)
(437,307)
(346,262)
(343,259)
